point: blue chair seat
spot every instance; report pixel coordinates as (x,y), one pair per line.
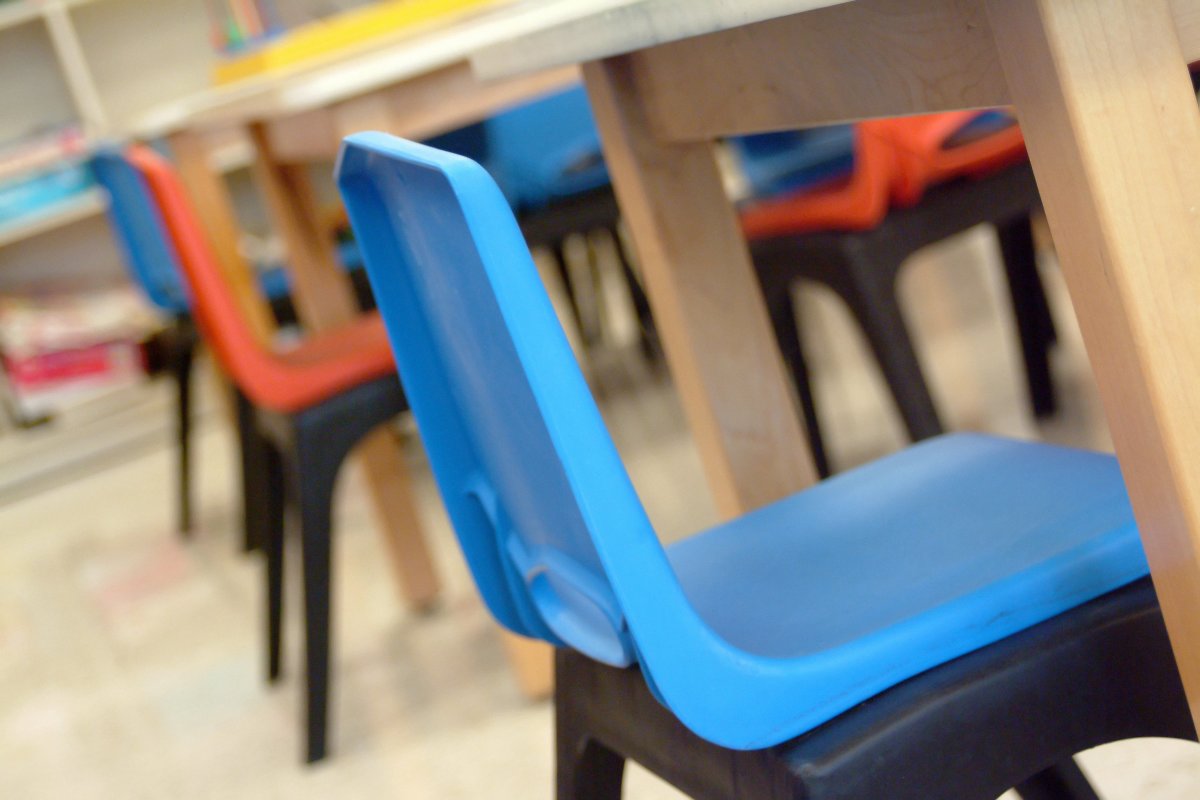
(760,629)
(819,571)
(887,570)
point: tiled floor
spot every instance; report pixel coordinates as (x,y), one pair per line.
(130,661)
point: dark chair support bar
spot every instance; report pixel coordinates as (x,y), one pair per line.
(862,268)
(1011,714)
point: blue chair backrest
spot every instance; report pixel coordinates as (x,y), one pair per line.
(140,230)
(787,161)
(545,149)
(470,141)
(552,528)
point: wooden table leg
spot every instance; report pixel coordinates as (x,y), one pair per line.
(211,200)
(706,301)
(1114,134)
(324,299)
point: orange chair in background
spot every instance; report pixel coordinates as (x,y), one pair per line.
(931,149)
(856,202)
(309,404)
(916,181)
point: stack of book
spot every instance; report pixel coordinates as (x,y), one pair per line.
(60,348)
(280,35)
(41,169)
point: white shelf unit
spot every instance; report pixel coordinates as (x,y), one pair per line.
(99,64)
(18,13)
(53,216)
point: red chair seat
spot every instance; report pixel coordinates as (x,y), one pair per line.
(327,363)
(896,160)
(285,379)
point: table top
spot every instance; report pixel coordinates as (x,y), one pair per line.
(513,38)
(355,71)
(594,30)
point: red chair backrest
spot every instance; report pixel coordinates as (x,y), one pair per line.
(216,308)
(896,160)
(854,204)
(923,157)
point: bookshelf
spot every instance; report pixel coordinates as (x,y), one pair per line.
(93,66)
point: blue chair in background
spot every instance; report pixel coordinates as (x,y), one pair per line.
(545,155)
(153,265)
(901,630)
(545,150)
(547,159)
(789,161)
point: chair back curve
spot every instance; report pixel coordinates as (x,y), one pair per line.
(552,528)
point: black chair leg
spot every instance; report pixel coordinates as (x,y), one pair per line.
(1035,325)
(782,311)
(584,768)
(966,730)
(312,444)
(559,249)
(314,476)
(870,291)
(1064,781)
(647,330)
(254,457)
(183,350)
(273,532)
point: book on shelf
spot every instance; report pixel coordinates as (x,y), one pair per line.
(41,149)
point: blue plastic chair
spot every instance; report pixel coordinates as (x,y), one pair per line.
(152,260)
(547,159)
(153,264)
(787,161)
(545,149)
(758,629)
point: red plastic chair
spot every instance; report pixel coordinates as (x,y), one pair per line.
(895,161)
(925,154)
(280,380)
(912,186)
(857,203)
(306,406)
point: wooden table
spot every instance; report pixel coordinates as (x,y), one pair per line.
(415,85)
(1113,130)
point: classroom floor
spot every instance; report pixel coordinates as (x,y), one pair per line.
(130,660)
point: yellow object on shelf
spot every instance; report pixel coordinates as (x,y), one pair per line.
(344,30)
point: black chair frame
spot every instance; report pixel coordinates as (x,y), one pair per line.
(173,350)
(292,461)
(1010,715)
(862,268)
